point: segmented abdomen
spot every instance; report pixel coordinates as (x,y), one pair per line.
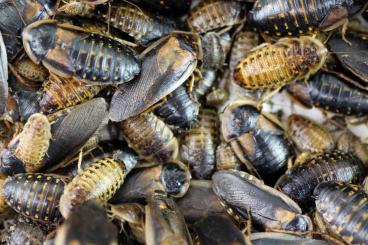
(60,93)
(35,195)
(226,158)
(98,181)
(103,60)
(344,209)
(150,137)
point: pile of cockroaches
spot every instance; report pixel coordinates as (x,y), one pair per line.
(156,122)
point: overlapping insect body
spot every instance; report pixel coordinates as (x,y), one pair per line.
(143,26)
(332,93)
(98,181)
(272,66)
(226,158)
(61,93)
(198,147)
(31,71)
(89,57)
(300,181)
(244,42)
(180,110)
(150,137)
(308,136)
(343,210)
(77,8)
(35,195)
(214,14)
(297,17)
(203,85)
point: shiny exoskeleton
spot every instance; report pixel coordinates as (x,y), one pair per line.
(60,93)
(226,158)
(4,75)
(143,26)
(150,137)
(332,93)
(271,66)
(26,152)
(69,51)
(343,209)
(198,147)
(15,15)
(254,138)
(180,110)
(98,181)
(203,85)
(213,52)
(299,182)
(35,195)
(214,14)
(297,17)
(251,198)
(308,136)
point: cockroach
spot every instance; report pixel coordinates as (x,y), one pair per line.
(150,137)
(35,195)
(271,66)
(299,182)
(343,210)
(259,238)
(3,75)
(331,93)
(31,71)
(217,97)
(214,14)
(226,158)
(266,206)
(167,64)
(60,93)
(213,52)
(298,17)
(69,51)
(348,142)
(198,147)
(203,85)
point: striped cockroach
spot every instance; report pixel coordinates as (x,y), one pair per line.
(31,71)
(60,93)
(299,182)
(343,211)
(226,158)
(271,66)
(69,51)
(27,150)
(198,147)
(35,195)
(150,137)
(297,17)
(214,14)
(98,181)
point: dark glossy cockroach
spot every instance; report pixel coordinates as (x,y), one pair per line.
(297,17)
(348,142)
(60,93)
(72,129)
(100,181)
(218,230)
(21,231)
(150,137)
(266,206)
(130,213)
(27,150)
(15,15)
(3,75)
(299,182)
(274,238)
(167,64)
(172,178)
(213,52)
(214,14)
(332,93)
(198,147)
(180,110)
(226,158)
(271,66)
(87,225)
(69,51)
(353,57)
(143,26)
(29,70)
(308,136)
(35,195)
(200,201)
(255,138)
(203,85)
(28,103)
(164,222)
(343,210)
(168,7)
